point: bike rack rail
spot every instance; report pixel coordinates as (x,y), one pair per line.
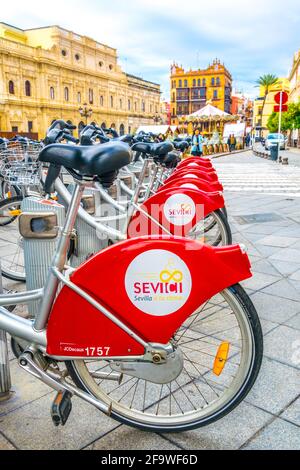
(5,378)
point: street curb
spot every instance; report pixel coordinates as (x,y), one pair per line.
(231,153)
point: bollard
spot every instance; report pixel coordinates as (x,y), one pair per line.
(5,380)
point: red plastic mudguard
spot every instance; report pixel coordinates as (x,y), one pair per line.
(151,284)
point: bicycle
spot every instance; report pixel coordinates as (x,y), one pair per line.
(174,344)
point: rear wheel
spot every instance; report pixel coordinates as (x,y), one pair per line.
(201,394)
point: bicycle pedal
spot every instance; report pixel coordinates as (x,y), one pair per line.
(61,408)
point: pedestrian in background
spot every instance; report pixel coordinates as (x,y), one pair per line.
(197,144)
(231,142)
(247,140)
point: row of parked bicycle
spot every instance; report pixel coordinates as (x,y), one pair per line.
(131,279)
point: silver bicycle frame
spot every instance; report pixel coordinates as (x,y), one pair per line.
(35,331)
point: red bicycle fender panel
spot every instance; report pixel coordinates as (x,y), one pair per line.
(195,163)
(176,209)
(151,284)
(207,186)
(187,173)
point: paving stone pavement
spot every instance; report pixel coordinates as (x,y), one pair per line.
(269,418)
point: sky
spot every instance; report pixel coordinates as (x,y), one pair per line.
(252,37)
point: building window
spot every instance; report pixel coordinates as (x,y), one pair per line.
(199,82)
(78,97)
(185,83)
(64,52)
(52,95)
(15,129)
(218,83)
(121,104)
(66,93)
(30,126)
(110,66)
(173,97)
(11,87)
(27,88)
(91,96)
(135,106)
(111,101)
(180,83)
(101,101)
(122,129)
(129,105)
(77,56)
(203,82)
(213,82)
(215,94)
(100,63)
(143,106)
(194,82)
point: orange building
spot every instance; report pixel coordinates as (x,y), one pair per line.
(190,91)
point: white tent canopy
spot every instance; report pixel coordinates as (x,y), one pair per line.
(208,110)
(238,129)
(156,130)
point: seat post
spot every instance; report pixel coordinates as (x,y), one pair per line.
(59,258)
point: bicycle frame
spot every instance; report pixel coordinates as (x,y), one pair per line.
(231,263)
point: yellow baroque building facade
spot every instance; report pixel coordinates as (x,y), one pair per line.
(294,79)
(49,73)
(191,90)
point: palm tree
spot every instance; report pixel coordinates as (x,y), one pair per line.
(266,81)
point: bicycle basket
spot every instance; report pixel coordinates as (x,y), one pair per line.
(19,163)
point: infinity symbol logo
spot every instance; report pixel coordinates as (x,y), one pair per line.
(167,276)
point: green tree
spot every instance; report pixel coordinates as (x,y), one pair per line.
(266,81)
(273,122)
(290,120)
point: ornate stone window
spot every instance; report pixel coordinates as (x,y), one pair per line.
(218,82)
(101,101)
(111,101)
(52,93)
(100,63)
(77,56)
(91,96)
(110,67)
(27,88)
(66,93)
(212,81)
(11,87)
(78,97)
(203,82)
(64,52)
(129,105)
(121,104)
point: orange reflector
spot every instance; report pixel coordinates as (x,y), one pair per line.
(8,194)
(221,358)
(15,213)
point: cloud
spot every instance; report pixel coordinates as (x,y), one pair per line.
(252,37)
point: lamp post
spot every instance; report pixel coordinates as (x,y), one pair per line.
(85,112)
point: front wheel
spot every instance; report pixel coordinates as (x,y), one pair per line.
(226,328)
